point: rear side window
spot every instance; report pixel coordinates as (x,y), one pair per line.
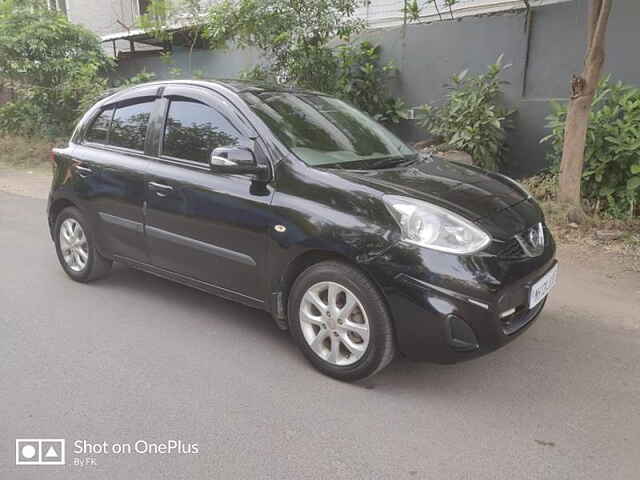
(193,130)
(129,125)
(99,129)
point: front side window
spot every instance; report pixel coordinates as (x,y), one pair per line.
(324,131)
(193,130)
(129,126)
(97,132)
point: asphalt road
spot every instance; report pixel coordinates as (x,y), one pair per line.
(134,357)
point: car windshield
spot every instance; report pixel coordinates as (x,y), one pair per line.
(326,132)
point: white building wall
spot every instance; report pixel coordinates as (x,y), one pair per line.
(383,13)
(103,16)
(114,16)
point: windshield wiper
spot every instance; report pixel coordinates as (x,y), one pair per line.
(391,162)
(373,163)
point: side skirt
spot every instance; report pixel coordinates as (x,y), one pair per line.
(192,282)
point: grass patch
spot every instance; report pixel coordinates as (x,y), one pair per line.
(25,152)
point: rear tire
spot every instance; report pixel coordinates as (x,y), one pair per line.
(76,247)
(340,322)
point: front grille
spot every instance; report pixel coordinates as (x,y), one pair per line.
(521,245)
(512,250)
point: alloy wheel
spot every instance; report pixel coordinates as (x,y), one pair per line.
(74,245)
(334,323)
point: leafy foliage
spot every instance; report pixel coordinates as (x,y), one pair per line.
(294,34)
(297,37)
(472,119)
(413,10)
(611,175)
(25,152)
(49,64)
(363,81)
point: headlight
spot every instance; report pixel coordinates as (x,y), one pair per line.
(435,227)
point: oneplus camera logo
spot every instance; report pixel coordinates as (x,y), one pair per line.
(39,451)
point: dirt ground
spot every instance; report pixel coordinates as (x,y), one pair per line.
(34,183)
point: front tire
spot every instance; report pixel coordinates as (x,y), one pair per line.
(76,248)
(340,321)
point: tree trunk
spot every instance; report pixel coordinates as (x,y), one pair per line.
(575,139)
(583,89)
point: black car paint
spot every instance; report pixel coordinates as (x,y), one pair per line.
(216,232)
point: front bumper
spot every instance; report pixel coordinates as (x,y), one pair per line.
(449,308)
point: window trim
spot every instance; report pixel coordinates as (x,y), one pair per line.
(199,95)
(164,128)
(127,103)
(115,106)
(142,94)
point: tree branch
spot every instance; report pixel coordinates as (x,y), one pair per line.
(595,55)
(600,27)
(594,13)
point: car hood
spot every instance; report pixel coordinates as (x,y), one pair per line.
(467,190)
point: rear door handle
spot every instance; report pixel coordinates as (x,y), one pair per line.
(161,189)
(83,171)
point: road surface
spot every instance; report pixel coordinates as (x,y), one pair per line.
(137,358)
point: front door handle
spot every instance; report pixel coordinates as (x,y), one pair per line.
(160,188)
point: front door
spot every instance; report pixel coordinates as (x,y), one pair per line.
(207,226)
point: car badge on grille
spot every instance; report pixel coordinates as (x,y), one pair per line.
(532,241)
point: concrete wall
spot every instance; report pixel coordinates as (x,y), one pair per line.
(427,55)
(217,64)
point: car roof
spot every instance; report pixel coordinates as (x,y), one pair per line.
(236,86)
(241,86)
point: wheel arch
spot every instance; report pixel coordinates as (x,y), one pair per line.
(54,210)
(299,264)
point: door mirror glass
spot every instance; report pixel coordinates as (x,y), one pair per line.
(232,156)
(236,160)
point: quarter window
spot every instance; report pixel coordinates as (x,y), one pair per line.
(129,126)
(97,133)
(193,130)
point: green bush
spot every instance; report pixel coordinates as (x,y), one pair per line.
(472,119)
(297,39)
(293,35)
(49,64)
(20,151)
(102,89)
(611,175)
(363,80)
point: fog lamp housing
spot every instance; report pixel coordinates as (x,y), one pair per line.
(460,335)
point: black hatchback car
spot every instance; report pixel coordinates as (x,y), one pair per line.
(296,203)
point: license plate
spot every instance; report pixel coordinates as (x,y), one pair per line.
(542,287)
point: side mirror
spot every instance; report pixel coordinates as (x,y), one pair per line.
(237,160)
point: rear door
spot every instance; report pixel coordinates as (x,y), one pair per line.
(111,163)
(207,226)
